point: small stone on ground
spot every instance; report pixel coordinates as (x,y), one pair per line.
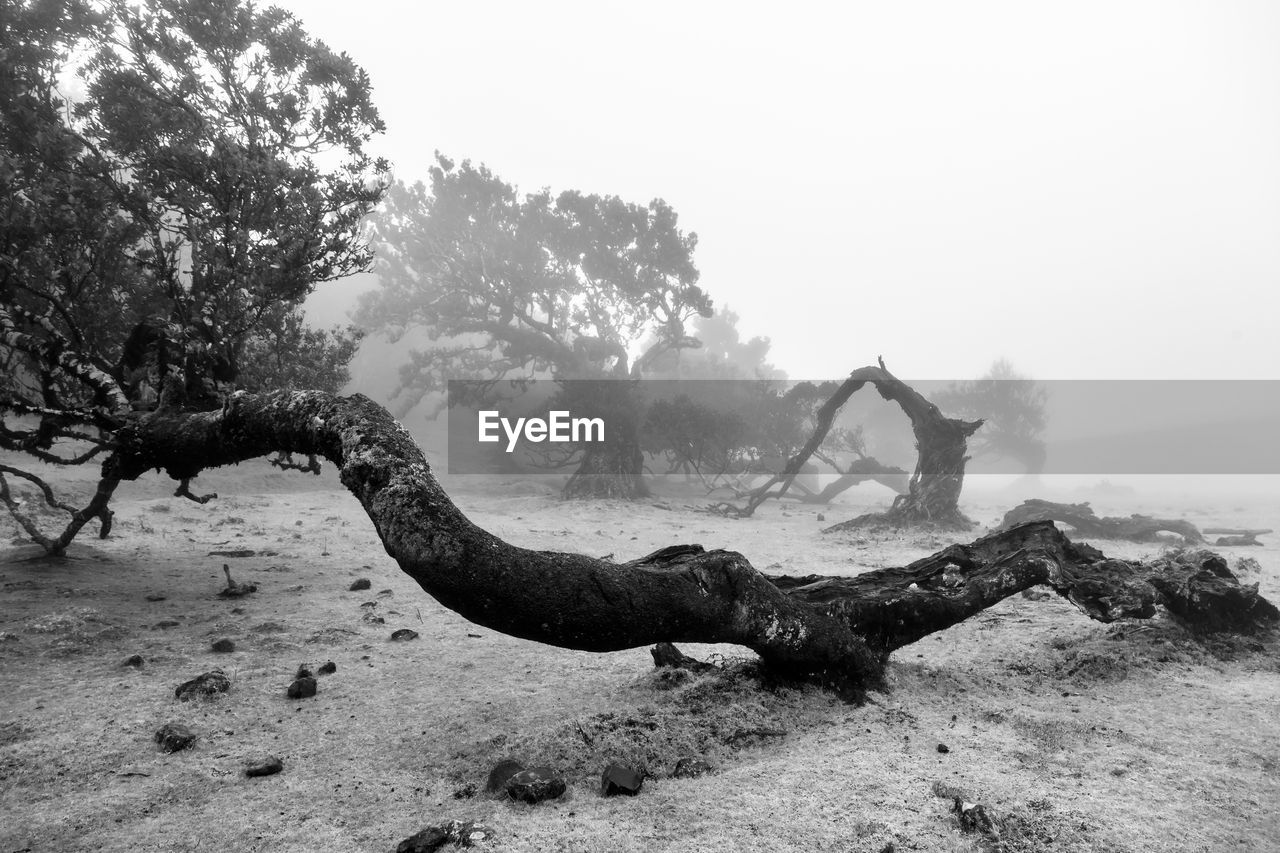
(535,785)
(302,688)
(211,683)
(620,779)
(173,737)
(501,772)
(268,765)
(456,832)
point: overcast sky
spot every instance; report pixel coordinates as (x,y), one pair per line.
(1089,189)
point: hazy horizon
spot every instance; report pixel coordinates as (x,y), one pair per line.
(1094,189)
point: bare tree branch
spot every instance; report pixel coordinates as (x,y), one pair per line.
(835,630)
(184,491)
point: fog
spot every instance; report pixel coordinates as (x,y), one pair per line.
(1090,189)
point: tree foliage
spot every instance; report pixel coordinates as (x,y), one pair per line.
(1013,408)
(723,353)
(164,227)
(511,286)
(736,430)
(285,353)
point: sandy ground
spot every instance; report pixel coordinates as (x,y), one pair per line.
(1080,736)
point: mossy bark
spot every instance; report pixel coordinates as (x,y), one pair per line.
(831,629)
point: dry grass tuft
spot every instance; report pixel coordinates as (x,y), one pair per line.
(1038,826)
(1033,827)
(711,715)
(70,621)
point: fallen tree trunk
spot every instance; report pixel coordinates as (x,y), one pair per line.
(837,630)
(1237,536)
(1081,517)
(894,607)
(569,600)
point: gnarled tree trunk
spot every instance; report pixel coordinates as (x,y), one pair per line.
(833,629)
(613,468)
(933,493)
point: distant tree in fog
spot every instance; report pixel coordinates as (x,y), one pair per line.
(1013,407)
(158,236)
(722,355)
(510,286)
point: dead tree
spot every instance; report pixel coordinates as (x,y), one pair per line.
(866,469)
(836,630)
(933,493)
(1081,517)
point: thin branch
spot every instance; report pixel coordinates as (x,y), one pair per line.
(184,491)
(49,497)
(24,520)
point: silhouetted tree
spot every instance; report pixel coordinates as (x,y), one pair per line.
(167,224)
(932,494)
(1012,408)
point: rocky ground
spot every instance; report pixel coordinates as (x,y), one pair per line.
(1072,735)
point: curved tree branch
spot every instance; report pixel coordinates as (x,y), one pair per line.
(568,600)
(833,629)
(934,488)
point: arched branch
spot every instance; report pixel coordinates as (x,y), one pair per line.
(934,488)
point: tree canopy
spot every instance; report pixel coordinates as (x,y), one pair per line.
(722,354)
(510,285)
(1013,409)
(164,225)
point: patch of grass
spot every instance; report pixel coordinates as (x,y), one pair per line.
(948,792)
(75,630)
(1128,648)
(12,731)
(1039,826)
(1033,827)
(1049,734)
(70,621)
(1085,665)
(1246,568)
(710,715)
